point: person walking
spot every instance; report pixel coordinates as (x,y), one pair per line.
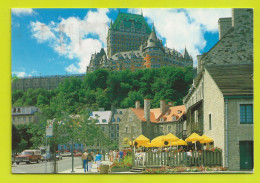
(90,160)
(110,156)
(114,155)
(120,154)
(98,160)
(85,161)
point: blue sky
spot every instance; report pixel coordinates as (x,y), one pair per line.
(61,41)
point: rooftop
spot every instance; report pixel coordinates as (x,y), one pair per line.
(127,19)
(156,115)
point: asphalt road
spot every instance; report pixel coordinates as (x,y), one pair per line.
(39,168)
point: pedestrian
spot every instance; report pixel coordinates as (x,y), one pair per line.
(90,160)
(110,156)
(98,160)
(120,155)
(84,158)
(114,155)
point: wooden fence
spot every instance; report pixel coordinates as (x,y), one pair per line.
(205,158)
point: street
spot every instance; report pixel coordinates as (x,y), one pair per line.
(63,165)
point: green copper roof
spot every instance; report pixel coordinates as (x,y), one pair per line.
(127,19)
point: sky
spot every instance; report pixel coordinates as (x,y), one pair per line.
(61,41)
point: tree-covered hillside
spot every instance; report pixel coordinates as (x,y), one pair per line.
(102,88)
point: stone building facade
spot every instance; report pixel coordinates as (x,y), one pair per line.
(131,44)
(149,122)
(24,115)
(220,102)
(116,118)
(46,82)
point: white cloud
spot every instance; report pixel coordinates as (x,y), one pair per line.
(41,31)
(75,38)
(208,17)
(22,11)
(19,74)
(184,27)
(71,68)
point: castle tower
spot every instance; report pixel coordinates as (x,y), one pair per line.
(126,33)
(153,50)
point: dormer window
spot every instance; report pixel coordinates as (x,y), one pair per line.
(104,120)
(179,111)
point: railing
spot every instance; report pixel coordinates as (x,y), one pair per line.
(204,158)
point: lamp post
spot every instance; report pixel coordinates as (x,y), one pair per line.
(72,156)
(132,144)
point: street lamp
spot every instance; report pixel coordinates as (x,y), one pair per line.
(72,156)
(132,144)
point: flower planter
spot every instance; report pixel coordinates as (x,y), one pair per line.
(122,169)
(104,168)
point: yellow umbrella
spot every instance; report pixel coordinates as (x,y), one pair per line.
(193,138)
(158,141)
(142,140)
(148,145)
(206,139)
(181,143)
(170,138)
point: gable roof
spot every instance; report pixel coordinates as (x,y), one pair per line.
(233,79)
(155,114)
(127,18)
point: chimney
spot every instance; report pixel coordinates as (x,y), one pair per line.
(162,106)
(170,104)
(137,104)
(242,18)
(199,67)
(147,109)
(224,24)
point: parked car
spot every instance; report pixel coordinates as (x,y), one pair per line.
(48,157)
(58,155)
(66,154)
(77,154)
(28,156)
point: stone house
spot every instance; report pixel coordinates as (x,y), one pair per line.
(150,122)
(24,115)
(220,102)
(116,118)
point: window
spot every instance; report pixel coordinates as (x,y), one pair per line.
(126,129)
(117,128)
(210,125)
(104,120)
(155,128)
(24,119)
(246,113)
(112,128)
(161,129)
(103,128)
(18,110)
(112,134)
(169,129)
(130,118)
(196,117)
(113,120)
(117,135)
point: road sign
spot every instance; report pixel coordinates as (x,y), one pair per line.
(49,131)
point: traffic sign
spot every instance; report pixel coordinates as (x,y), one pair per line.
(49,131)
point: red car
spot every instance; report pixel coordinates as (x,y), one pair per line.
(77,153)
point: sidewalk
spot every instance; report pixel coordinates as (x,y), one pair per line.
(79,169)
